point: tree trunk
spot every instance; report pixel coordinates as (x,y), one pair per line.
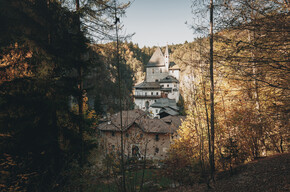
(80,96)
(123,185)
(211,92)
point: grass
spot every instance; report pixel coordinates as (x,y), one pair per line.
(152,182)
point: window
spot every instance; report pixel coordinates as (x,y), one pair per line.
(152,71)
(162,85)
(157,137)
(135,151)
(167,85)
(113,133)
(174,85)
(160,70)
(145,93)
(156,150)
(147,105)
(156,80)
(156,93)
(151,93)
(156,110)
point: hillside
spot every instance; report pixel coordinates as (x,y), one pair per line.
(269,174)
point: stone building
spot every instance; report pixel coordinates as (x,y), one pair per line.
(162,81)
(141,134)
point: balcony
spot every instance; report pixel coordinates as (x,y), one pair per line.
(147,96)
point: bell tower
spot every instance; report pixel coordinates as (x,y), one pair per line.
(166,58)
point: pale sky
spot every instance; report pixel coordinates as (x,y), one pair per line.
(158,22)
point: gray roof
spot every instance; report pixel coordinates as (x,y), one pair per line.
(157,59)
(173,66)
(148,85)
(164,102)
(166,89)
(169,79)
(169,111)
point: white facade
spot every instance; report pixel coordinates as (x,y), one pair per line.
(155,74)
(154,111)
(161,82)
(144,104)
(174,73)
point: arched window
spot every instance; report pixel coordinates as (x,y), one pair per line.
(147,105)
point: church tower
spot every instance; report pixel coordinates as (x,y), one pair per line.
(166,59)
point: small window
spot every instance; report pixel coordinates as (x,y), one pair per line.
(113,133)
(145,93)
(156,110)
(157,137)
(151,93)
(160,70)
(175,85)
(152,71)
(156,80)
(155,100)
(156,93)
(162,85)
(156,150)
(167,85)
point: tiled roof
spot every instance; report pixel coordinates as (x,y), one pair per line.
(169,79)
(174,120)
(154,126)
(147,85)
(128,118)
(139,117)
(157,59)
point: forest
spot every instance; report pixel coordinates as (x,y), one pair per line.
(64,66)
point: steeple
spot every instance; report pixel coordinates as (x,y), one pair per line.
(157,59)
(166,58)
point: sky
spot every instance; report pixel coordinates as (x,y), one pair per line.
(158,22)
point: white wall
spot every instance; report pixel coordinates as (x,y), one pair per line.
(141,103)
(151,77)
(154,111)
(173,94)
(174,73)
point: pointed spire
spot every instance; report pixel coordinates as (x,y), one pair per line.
(157,59)
(166,51)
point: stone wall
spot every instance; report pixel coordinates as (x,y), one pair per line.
(156,145)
